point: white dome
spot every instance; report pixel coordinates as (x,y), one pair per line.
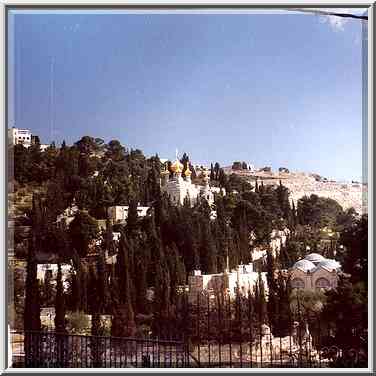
(329,264)
(304,265)
(314,257)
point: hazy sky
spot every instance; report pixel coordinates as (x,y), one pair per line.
(270,89)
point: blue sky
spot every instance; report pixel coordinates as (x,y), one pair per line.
(270,89)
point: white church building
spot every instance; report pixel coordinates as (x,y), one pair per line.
(179,187)
(315,272)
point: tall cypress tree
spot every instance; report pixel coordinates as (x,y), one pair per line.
(294,219)
(216,170)
(208,251)
(272,289)
(123,321)
(32,298)
(59,302)
(212,175)
(132,219)
(260,301)
(282,323)
(141,286)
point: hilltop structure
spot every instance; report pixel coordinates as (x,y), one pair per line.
(179,186)
(24,137)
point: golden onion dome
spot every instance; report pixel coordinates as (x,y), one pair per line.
(177,167)
(187,172)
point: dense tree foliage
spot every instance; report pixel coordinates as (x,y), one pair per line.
(318,211)
(156,253)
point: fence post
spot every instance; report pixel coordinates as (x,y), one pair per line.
(299,330)
(230,328)
(250,315)
(198,329)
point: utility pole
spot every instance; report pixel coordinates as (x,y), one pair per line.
(51,98)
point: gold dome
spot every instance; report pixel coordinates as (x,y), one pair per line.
(187,172)
(177,167)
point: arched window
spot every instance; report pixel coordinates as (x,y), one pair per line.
(322,283)
(297,283)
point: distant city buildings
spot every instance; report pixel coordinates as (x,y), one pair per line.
(315,272)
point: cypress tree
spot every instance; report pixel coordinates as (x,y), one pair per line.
(216,170)
(223,181)
(162,306)
(282,322)
(260,301)
(32,298)
(123,323)
(83,282)
(102,283)
(132,219)
(59,302)
(92,291)
(208,251)
(212,175)
(47,289)
(141,286)
(294,219)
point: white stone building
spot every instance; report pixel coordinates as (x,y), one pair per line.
(19,136)
(243,277)
(23,136)
(315,272)
(120,213)
(180,187)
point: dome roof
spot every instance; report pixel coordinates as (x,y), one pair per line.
(304,265)
(177,166)
(187,172)
(314,257)
(329,264)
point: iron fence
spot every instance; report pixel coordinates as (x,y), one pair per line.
(60,350)
(213,331)
(225,331)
